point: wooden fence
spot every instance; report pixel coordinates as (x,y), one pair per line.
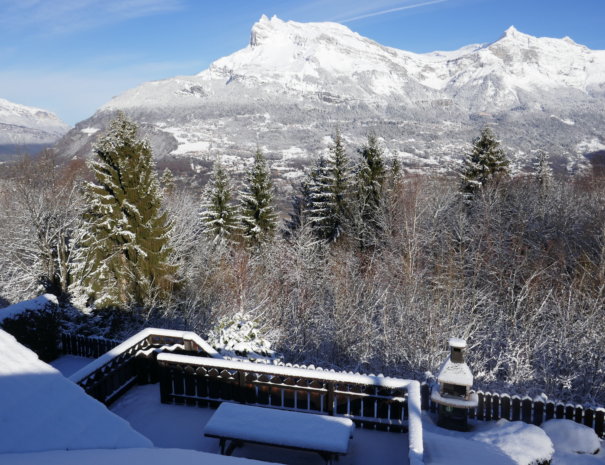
(370,406)
(204,382)
(86,346)
(494,406)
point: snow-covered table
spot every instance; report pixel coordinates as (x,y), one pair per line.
(325,435)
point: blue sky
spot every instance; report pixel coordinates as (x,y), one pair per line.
(71,56)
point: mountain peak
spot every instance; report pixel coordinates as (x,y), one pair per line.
(512,30)
(263,28)
(513,33)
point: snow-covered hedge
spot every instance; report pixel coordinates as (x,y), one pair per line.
(35,324)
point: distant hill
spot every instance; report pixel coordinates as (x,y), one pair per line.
(26,129)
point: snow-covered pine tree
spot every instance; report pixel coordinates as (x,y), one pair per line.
(486,162)
(543,171)
(258,217)
(320,206)
(219,214)
(339,180)
(394,173)
(323,195)
(167,181)
(371,176)
(127,237)
(298,215)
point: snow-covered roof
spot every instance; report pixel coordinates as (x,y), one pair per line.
(455,373)
(42,410)
(457,343)
(38,303)
(125,457)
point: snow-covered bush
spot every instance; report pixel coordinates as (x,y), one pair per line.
(571,437)
(525,444)
(239,336)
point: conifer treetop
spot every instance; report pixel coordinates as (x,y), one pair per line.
(485,163)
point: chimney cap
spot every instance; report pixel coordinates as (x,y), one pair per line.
(457,343)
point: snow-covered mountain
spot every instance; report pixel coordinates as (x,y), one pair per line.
(296,82)
(23,128)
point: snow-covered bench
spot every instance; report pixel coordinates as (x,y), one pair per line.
(325,435)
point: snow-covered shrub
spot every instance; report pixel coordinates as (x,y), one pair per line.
(239,336)
(571,437)
(525,444)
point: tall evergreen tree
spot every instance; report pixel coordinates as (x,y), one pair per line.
(167,181)
(543,171)
(394,173)
(258,217)
(298,214)
(219,215)
(127,239)
(339,176)
(486,163)
(319,204)
(371,177)
(323,195)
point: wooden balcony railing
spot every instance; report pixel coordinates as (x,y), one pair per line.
(371,401)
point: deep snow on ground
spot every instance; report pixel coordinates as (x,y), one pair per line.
(496,443)
(123,457)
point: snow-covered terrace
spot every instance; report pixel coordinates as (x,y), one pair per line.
(205,378)
(181,426)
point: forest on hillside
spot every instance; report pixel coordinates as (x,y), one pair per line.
(373,269)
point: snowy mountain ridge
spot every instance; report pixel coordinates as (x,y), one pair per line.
(313,57)
(22,125)
(295,82)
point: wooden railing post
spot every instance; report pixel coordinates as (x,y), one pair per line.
(241,386)
(425,395)
(330,398)
(165,383)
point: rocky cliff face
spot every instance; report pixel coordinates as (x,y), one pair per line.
(295,83)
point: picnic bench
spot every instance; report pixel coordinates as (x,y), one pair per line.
(326,435)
